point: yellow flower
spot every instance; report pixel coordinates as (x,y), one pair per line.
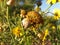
(46,33)
(56,17)
(53,27)
(34,28)
(51,1)
(16,31)
(58,0)
(21,34)
(57,14)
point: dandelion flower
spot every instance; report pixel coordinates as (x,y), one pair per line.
(56,17)
(51,1)
(53,27)
(16,31)
(57,14)
(58,0)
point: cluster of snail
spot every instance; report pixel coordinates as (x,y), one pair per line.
(30,18)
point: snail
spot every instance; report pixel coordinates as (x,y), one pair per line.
(31,18)
(25,22)
(10,2)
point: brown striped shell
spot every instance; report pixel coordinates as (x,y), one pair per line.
(34,17)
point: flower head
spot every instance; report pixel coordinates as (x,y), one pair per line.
(51,1)
(58,0)
(16,31)
(53,27)
(57,14)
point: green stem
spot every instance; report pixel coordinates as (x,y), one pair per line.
(8,18)
(7,13)
(4,2)
(1,4)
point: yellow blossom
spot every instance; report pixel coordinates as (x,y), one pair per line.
(53,27)
(56,17)
(57,14)
(21,34)
(58,0)
(34,28)
(16,31)
(51,1)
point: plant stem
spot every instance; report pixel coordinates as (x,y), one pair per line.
(8,18)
